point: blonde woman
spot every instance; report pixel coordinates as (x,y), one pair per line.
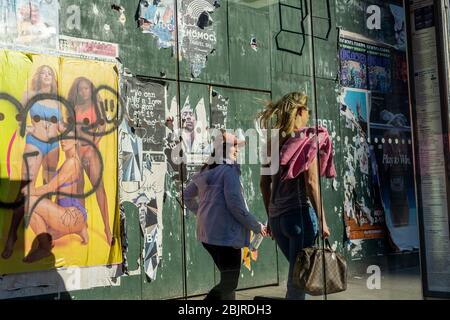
(286,200)
(41,148)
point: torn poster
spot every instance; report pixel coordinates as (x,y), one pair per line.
(390,166)
(37,23)
(192,138)
(145,105)
(363,212)
(8,21)
(399,26)
(197,32)
(157,18)
(355,106)
(60,280)
(142,164)
(219,109)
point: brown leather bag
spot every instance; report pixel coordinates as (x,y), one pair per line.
(319,271)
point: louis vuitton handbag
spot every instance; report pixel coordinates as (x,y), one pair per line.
(319,271)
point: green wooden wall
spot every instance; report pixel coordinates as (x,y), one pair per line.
(246,77)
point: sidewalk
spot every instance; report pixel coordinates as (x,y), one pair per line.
(402,284)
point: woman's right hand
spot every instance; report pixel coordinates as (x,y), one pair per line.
(263,230)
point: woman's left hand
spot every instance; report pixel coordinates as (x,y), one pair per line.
(325,231)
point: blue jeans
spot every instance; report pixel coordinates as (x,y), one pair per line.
(293,231)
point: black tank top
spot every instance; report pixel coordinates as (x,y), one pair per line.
(288,195)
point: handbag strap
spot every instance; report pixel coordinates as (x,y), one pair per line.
(327,242)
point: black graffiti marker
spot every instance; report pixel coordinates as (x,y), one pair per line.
(49,96)
(102,116)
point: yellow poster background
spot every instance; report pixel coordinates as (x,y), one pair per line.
(16,73)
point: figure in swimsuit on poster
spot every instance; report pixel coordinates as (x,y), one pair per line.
(42,146)
(88,117)
(68,215)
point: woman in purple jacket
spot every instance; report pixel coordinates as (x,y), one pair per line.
(223,220)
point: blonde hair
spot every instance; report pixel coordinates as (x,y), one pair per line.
(36,81)
(285,111)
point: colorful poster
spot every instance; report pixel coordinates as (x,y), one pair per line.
(37,23)
(355,105)
(379,66)
(157,18)
(197,32)
(378,190)
(142,163)
(363,213)
(59,122)
(353,63)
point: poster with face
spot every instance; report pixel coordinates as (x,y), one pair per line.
(188,146)
(58,120)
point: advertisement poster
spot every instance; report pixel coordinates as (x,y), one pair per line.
(157,18)
(142,163)
(353,16)
(379,189)
(379,66)
(58,208)
(353,62)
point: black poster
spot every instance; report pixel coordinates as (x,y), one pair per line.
(146,104)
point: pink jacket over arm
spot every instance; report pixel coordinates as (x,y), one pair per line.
(299,151)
